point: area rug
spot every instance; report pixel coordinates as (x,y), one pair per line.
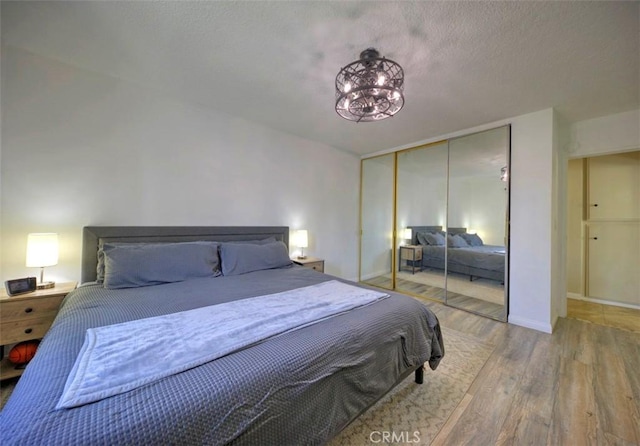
(414,414)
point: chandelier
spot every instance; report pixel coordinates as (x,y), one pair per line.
(369,89)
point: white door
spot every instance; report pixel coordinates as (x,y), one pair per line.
(614,261)
(614,187)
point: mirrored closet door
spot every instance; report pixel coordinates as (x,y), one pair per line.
(477,222)
(448,239)
(421,208)
(377,186)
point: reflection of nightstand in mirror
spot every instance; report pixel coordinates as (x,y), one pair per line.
(410,258)
(310,262)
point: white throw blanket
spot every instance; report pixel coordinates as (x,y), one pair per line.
(121,357)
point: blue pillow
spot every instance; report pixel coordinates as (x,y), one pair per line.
(435,238)
(130,265)
(456,241)
(100,266)
(241,258)
(472,239)
(421,237)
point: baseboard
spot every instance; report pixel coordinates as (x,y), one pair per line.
(530,323)
(602,301)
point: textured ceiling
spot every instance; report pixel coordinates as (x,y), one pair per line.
(274,62)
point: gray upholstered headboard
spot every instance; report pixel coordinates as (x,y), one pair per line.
(94,236)
(416,229)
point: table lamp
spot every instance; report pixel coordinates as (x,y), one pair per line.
(302,240)
(42,250)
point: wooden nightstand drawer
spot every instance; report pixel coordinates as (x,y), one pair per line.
(24,330)
(28,317)
(318,266)
(311,263)
(30,308)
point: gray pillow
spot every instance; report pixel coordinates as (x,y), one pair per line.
(422,238)
(435,238)
(241,258)
(472,239)
(130,265)
(100,266)
(456,241)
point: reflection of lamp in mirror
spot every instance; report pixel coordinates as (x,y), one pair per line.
(42,250)
(302,241)
(407,234)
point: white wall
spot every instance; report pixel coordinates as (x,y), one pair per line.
(559,216)
(80,148)
(607,134)
(531,220)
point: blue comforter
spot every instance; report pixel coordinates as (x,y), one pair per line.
(303,386)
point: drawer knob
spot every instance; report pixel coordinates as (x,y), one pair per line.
(28,330)
(28,310)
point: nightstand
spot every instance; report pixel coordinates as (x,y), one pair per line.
(411,255)
(311,262)
(26,317)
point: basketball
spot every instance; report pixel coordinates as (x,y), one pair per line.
(23,352)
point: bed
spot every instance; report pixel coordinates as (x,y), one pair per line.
(476,261)
(301,386)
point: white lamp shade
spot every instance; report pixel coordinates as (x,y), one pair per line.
(42,250)
(302,238)
(407,234)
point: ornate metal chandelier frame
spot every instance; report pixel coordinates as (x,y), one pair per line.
(370,89)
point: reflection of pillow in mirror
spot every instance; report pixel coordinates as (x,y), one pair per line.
(472,239)
(422,238)
(435,239)
(456,242)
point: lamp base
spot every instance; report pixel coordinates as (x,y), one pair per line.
(302,257)
(45,285)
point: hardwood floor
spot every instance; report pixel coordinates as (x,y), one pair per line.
(609,315)
(579,386)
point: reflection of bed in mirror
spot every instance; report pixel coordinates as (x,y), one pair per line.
(470,256)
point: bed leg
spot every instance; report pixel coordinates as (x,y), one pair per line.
(420,375)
